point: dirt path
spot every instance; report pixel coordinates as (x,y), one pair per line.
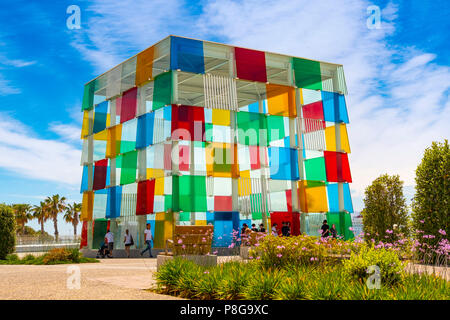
(109,279)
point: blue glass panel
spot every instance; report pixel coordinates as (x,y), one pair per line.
(101,113)
(84,180)
(333,197)
(187,55)
(223,233)
(283,163)
(114,202)
(334,107)
(144,135)
(348,205)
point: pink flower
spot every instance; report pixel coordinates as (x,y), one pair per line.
(442,232)
(350,228)
(180,241)
(304,248)
(279,255)
(206,272)
(422,221)
(215,252)
(389,231)
(183,246)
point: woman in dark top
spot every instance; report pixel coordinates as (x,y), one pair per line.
(333,231)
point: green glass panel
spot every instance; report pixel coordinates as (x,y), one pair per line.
(192,193)
(315,169)
(307,74)
(162,94)
(88,96)
(312,184)
(343,222)
(208,132)
(128,172)
(348,234)
(168,202)
(185,216)
(100,226)
(159,235)
(252,128)
(275,128)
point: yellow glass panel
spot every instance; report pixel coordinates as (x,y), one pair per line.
(221,117)
(154,173)
(281,100)
(330,138)
(218,156)
(87,206)
(113,144)
(159,187)
(102,135)
(144,65)
(245,174)
(316,199)
(85,126)
(200,222)
(244,186)
(302,196)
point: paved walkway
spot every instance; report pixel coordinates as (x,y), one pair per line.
(109,279)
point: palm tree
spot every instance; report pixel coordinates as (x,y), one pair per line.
(56,204)
(22,214)
(40,212)
(72,215)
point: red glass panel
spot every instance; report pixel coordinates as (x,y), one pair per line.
(167,156)
(250,64)
(83,242)
(337,167)
(292,217)
(100,171)
(255,162)
(145,197)
(188,123)
(128,105)
(223,203)
(289,200)
(184,158)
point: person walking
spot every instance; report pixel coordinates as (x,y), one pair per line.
(128,240)
(109,241)
(325,229)
(148,240)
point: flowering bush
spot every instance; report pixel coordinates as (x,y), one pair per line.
(277,252)
(391,268)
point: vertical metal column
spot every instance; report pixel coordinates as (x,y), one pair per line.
(294,192)
(175,154)
(264,166)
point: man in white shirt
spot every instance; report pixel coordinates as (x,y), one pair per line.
(148,240)
(109,241)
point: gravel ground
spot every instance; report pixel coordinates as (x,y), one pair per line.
(109,279)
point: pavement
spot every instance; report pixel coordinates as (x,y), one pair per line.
(122,279)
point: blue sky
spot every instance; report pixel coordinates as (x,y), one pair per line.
(398,76)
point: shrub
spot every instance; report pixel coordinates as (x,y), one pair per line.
(7,231)
(59,255)
(391,268)
(283,251)
(177,277)
(292,288)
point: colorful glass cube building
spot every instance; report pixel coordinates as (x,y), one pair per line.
(191,132)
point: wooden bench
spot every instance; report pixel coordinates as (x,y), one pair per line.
(193,240)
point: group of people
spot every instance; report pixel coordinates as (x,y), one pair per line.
(326,231)
(107,246)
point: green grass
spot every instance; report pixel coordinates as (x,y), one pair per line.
(251,281)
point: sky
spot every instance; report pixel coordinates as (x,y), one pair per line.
(398,75)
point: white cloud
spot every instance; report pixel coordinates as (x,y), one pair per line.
(396,109)
(68,132)
(36,158)
(6,88)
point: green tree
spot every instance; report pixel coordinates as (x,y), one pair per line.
(431,202)
(22,214)
(72,215)
(55,204)
(7,231)
(40,213)
(385,209)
